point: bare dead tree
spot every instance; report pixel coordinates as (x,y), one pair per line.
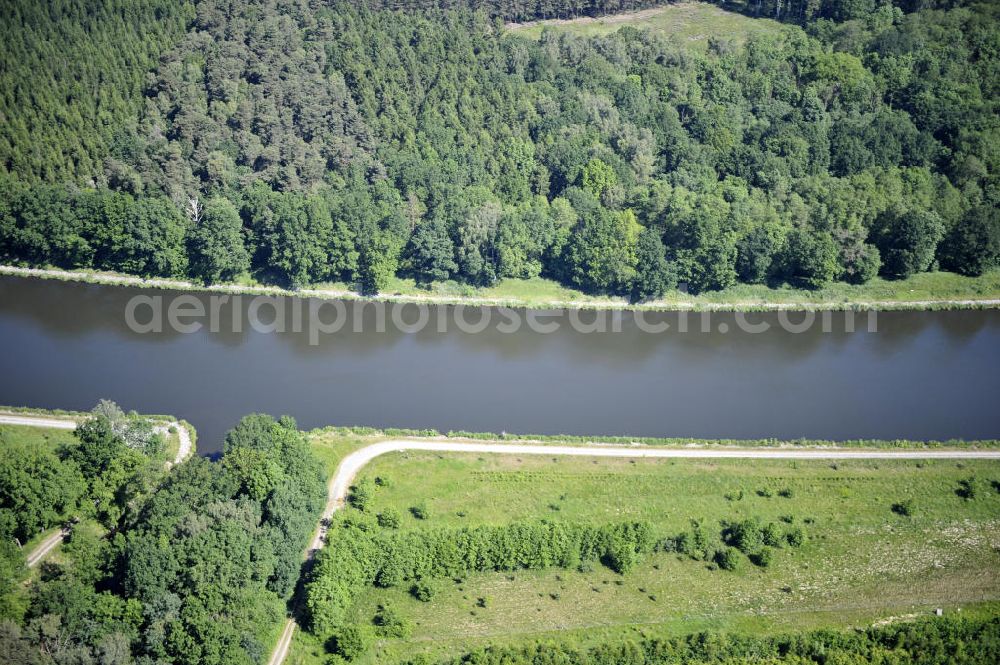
(194,210)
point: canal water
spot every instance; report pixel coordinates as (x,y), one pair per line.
(918,375)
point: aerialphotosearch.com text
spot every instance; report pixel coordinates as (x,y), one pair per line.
(188,313)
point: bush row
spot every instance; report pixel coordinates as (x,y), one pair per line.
(929,642)
(359,555)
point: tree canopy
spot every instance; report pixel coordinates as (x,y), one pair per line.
(298,144)
(191,565)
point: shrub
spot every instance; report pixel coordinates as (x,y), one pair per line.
(727,558)
(668,544)
(771,535)
(423,591)
(763,557)
(388,519)
(389,623)
(904,508)
(393,571)
(622,557)
(420,511)
(699,543)
(684,543)
(764,492)
(350,642)
(786,493)
(967,489)
(746,536)
(796,537)
(362,494)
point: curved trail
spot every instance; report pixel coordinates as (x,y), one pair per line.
(353,463)
(184,450)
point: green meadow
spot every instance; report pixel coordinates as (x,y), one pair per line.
(863,560)
(691,23)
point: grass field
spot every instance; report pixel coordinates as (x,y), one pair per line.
(862,562)
(53,438)
(541,293)
(332,445)
(42,437)
(691,23)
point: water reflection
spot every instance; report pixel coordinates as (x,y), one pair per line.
(922,375)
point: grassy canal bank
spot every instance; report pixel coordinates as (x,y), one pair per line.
(923,291)
(372,434)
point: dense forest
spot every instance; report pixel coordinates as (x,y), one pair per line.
(72,80)
(297,143)
(194,566)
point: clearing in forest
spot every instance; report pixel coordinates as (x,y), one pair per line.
(693,23)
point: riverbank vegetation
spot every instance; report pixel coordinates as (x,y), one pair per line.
(339,436)
(91,476)
(193,566)
(48,476)
(925,291)
(297,146)
(922,291)
(456,554)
